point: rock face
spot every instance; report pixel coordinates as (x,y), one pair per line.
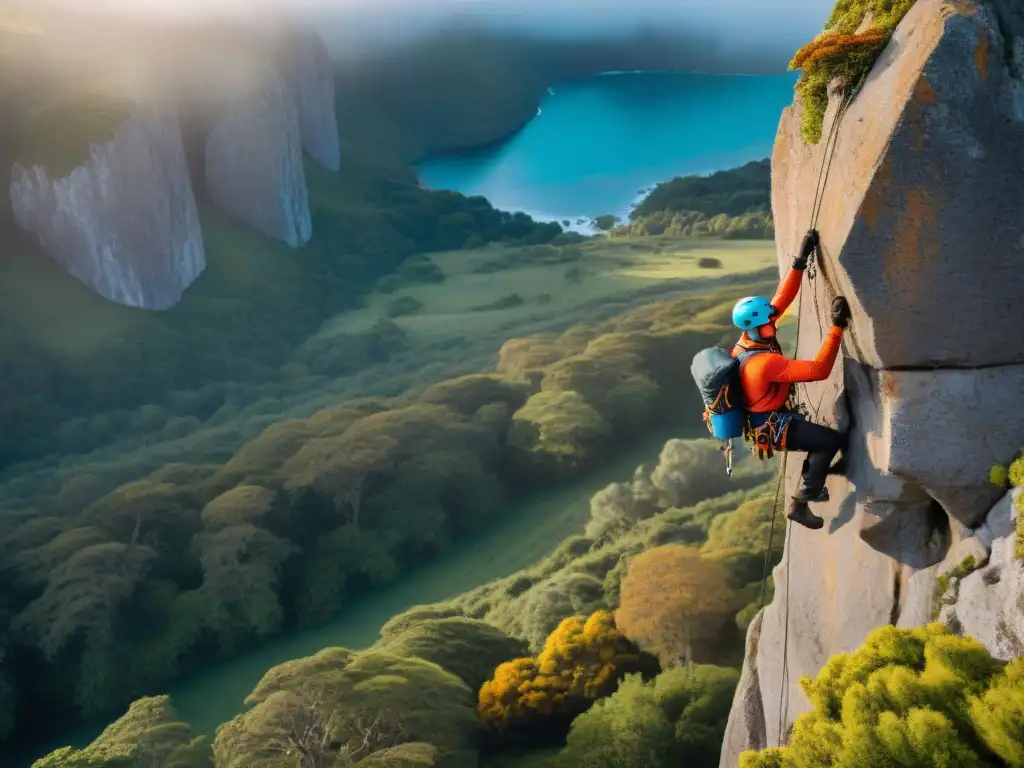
(310,76)
(254,162)
(125,222)
(916,234)
(986,603)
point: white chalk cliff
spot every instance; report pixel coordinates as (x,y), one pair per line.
(254,162)
(309,72)
(125,221)
(919,232)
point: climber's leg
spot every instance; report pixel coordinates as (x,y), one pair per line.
(821,444)
(800,513)
(839,468)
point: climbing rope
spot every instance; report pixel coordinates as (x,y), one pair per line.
(812,272)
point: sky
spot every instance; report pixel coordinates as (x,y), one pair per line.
(772,22)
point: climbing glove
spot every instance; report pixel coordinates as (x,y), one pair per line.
(807,247)
(840,312)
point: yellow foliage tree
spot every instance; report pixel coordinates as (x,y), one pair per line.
(673,602)
(582,660)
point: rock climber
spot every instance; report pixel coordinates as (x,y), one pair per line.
(774,422)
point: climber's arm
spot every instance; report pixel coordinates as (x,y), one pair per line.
(783,370)
(788,289)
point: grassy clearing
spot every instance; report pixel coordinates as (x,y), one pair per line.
(607,269)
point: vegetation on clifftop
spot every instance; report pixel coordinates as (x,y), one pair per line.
(908,697)
(844,53)
(1013,477)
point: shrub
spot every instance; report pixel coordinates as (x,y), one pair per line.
(709,262)
(908,697)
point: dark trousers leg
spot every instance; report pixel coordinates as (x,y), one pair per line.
(821,445)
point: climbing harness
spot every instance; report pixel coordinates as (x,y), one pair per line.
(766,432)
(813,269)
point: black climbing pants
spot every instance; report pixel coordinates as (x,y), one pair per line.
(821,445)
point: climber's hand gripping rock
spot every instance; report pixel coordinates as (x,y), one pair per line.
(840,312)
(810,242)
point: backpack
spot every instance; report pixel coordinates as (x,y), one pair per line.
(717,374)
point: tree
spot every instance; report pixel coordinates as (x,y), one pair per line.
(582,660)
(690,471)
(675,603)
(83,594)
(159,515)
(536,613)
(414,754)
(467,648)
(34,566)
(558,430)
(241,569)
(746,528)
(341,469)
(678,718)
(328,705)
(908,697)
(468,394)
(243,504)
(148,735)
(306,729)
(611,376)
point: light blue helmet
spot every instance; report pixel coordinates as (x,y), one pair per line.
(751,313)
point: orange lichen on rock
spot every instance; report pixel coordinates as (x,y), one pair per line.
(874,200)
(981,56)
(915,241)
(923,92)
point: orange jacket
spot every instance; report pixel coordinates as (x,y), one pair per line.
(763,376)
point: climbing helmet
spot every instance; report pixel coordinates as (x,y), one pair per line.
(751,313)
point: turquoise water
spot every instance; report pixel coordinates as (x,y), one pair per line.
(597,143)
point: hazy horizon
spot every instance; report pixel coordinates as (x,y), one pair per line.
(359,25)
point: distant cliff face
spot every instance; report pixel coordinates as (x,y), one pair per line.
(918,231)
(125,222)
(310,76)
(254,162)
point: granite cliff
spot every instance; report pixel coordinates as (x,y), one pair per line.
(915,232)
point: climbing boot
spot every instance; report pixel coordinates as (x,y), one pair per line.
(804,496)
(839,468)
(800,513)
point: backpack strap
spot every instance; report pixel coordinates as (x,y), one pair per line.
(743,357)
(749,353)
